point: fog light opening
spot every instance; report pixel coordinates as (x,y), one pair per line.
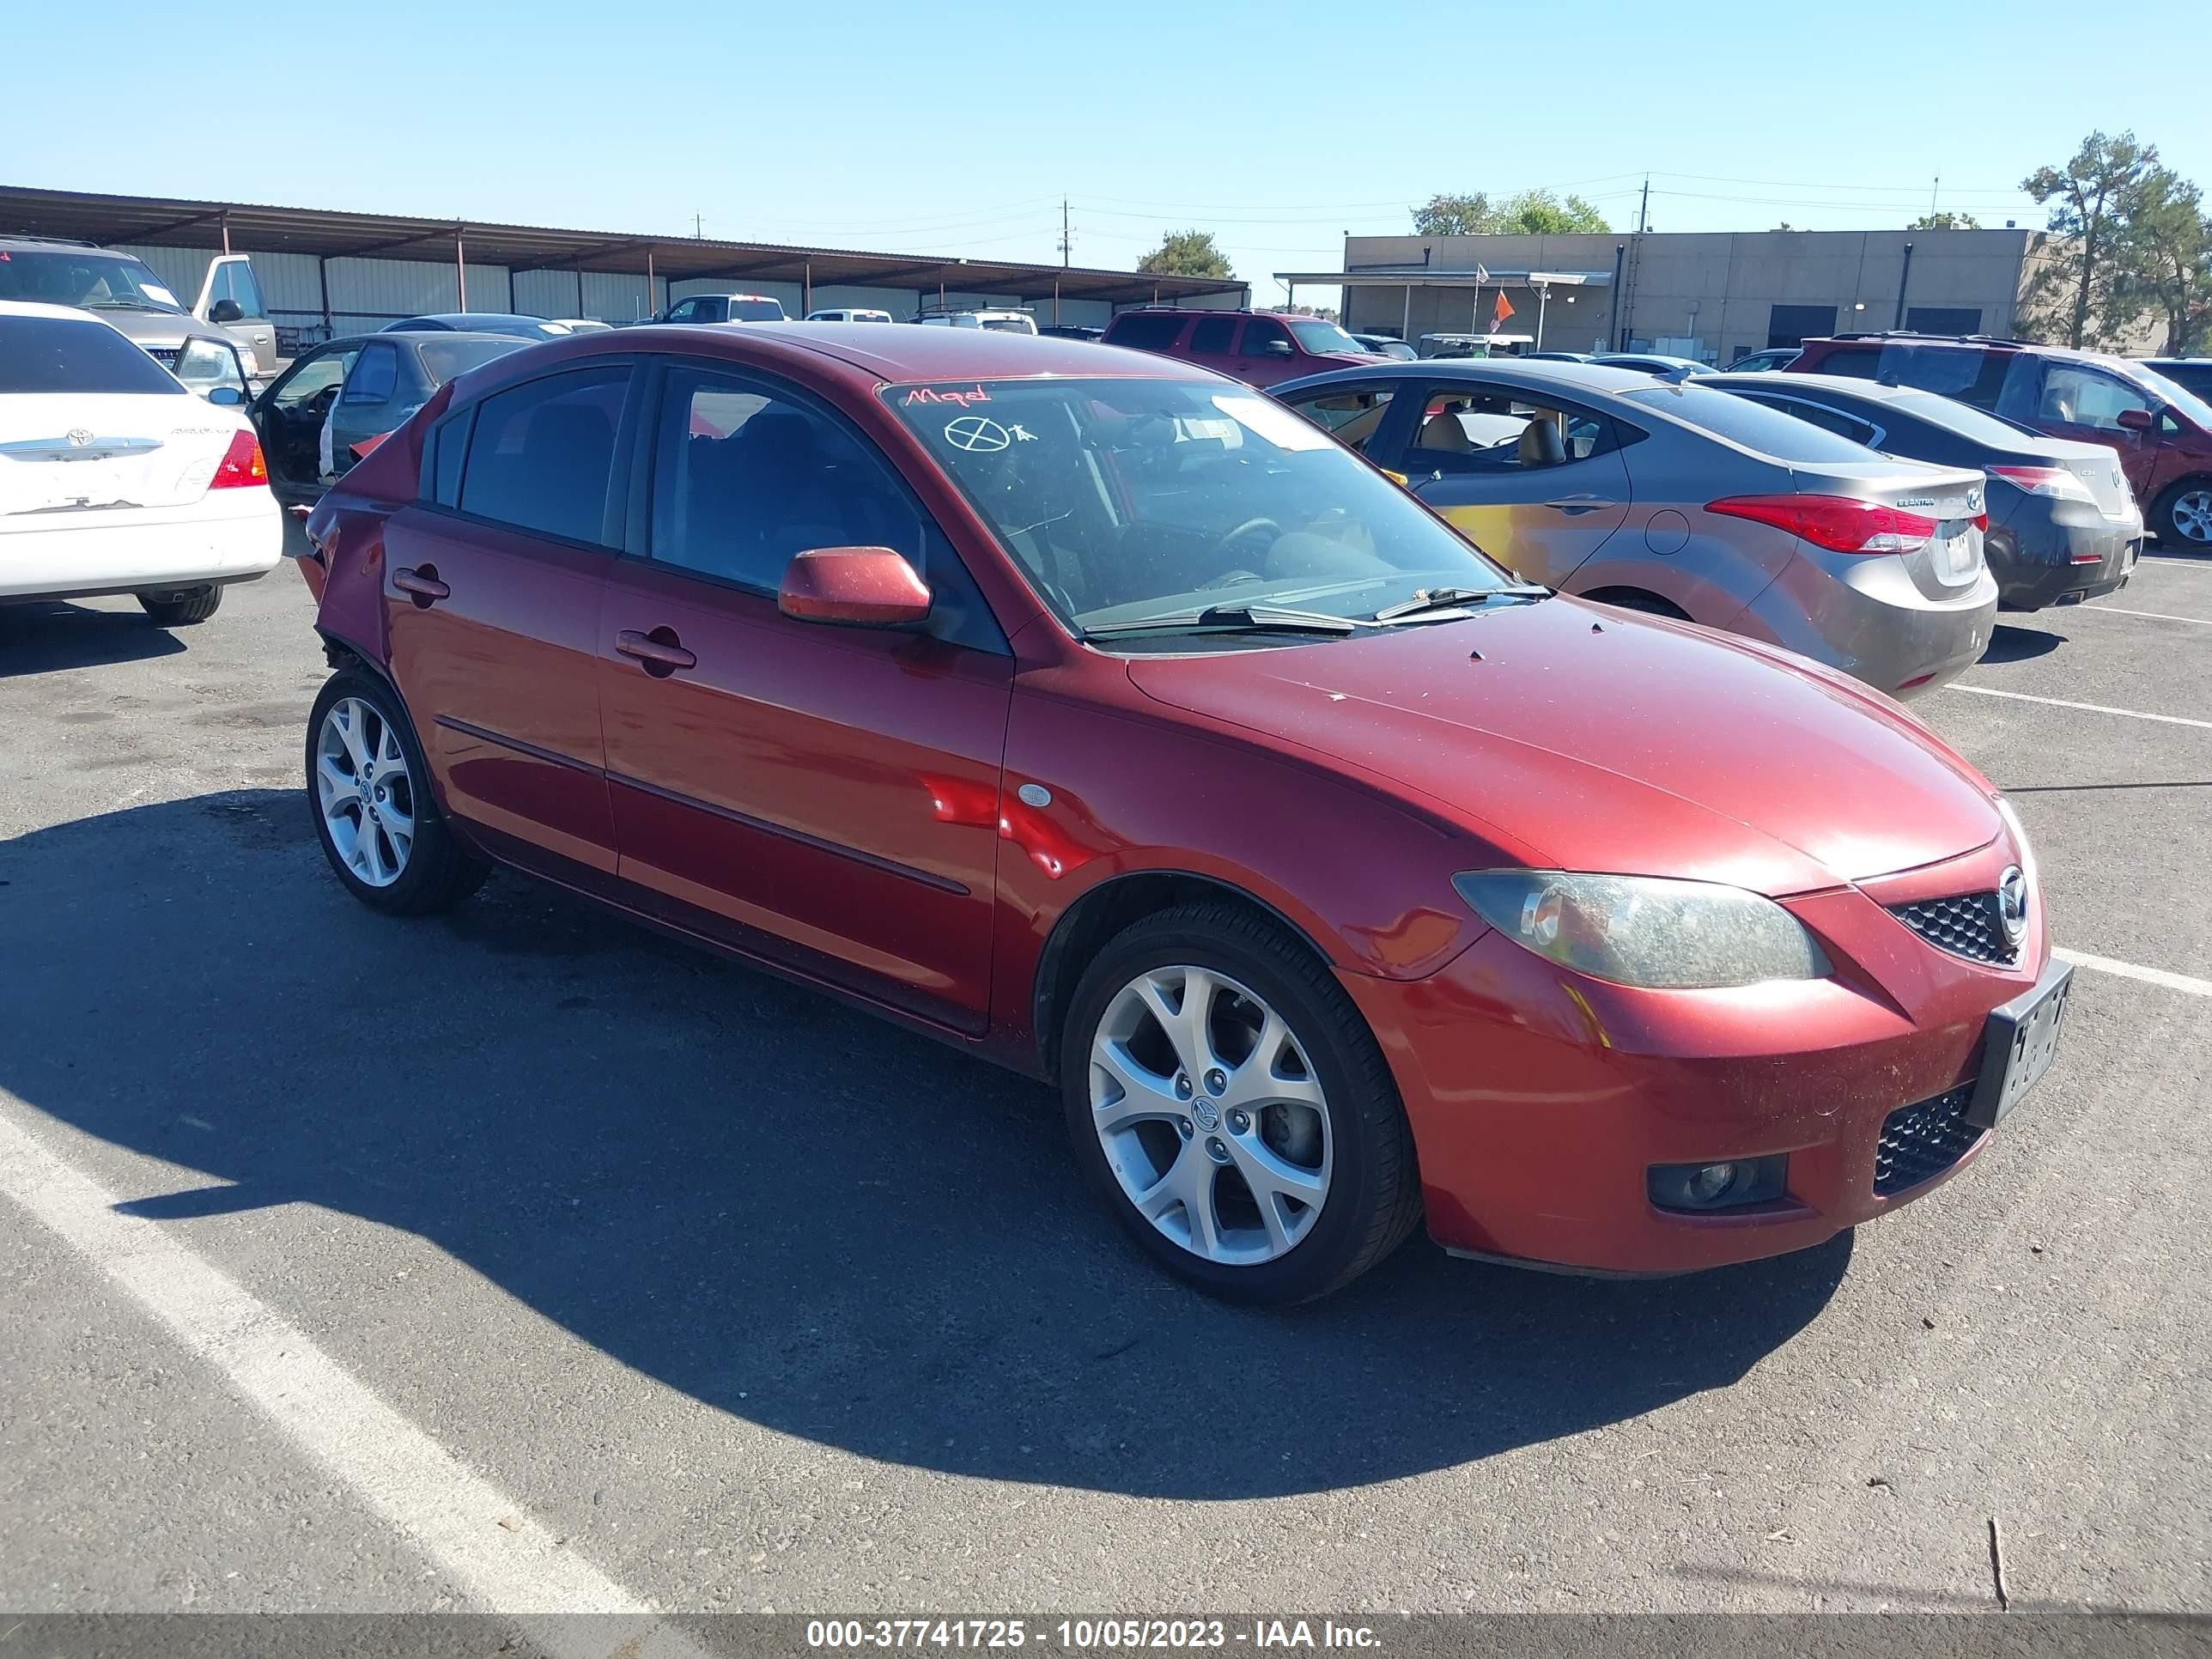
(1723,1184)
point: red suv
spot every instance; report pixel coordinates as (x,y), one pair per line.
(2162,431)
(1258,347)
(1102,717)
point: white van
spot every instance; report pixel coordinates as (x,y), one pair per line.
(848,314)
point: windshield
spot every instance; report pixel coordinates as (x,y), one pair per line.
(2179,395)
(1755,426)
(86,278)
(1127,499)
(1315,335)
(446,358)
(756,311)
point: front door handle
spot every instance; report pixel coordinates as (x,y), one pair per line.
(422,584)
(1581,504)
(660,653)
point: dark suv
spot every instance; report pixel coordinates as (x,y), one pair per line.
(1259,348)
(2162,431)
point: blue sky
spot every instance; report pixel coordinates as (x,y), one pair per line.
(934,129)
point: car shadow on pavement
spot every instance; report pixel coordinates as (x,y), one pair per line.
(41,638)
(773,1203)
(2011,644)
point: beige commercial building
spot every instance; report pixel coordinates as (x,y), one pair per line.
(1711,296)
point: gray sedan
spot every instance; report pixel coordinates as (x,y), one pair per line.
(1671,498)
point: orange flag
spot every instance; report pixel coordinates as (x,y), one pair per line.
(1500,311)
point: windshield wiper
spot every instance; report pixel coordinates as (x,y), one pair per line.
(1454,599)
(125,305)
(1238,618)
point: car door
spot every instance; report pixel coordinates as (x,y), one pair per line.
(493,587)
(289,416)
(1264,353)
(369,405)
(1478,452)
(2080,400)
(825,797)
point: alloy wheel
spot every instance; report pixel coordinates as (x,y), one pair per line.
(2191,513)
(1212,1119)
(364,790)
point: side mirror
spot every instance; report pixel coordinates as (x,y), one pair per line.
(226,397)
(1276,349)
(858,587)
(226,311)
(2135,420)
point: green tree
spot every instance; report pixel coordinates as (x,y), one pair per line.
(2165,259)
(2078,288)
(1530,213)
(1946,220)
(1187,254)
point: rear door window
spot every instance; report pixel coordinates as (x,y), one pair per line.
(541,457)
(1860,362)
(57,354)
(1145,332)
(1970,375)
(375,373)
(1213,334)
(1466,428)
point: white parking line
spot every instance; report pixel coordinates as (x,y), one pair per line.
(2156,616)
(2086,708)
(506,1562)
(2195,987)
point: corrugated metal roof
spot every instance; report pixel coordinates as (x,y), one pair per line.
(329,235)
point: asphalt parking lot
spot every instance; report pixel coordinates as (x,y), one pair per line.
(520,1260)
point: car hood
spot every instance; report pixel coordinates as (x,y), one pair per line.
(163,329)
(1578,737)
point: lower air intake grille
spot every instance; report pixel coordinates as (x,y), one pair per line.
(1918,1142)
(1967,926)
(165,356)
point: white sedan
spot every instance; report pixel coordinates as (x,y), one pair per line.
(115,479)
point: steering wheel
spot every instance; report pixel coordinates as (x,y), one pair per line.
(1249,527)
(1234,578)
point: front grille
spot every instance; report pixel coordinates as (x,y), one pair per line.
(1918,1142)
(165,356)
(1965,926)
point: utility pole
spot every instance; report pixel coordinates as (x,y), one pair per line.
(1643,211)
(1065,245)
(1932,189)
(698,226)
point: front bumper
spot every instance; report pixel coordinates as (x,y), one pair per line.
(1540,1099)
(1867,618)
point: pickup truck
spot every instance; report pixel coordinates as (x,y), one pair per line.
(227,329)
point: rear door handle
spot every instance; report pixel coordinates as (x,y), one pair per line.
(1581,504)
(660,653)
(422,584)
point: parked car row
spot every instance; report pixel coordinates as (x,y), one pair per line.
(977,676)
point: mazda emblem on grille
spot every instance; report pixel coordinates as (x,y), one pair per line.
(2012,904)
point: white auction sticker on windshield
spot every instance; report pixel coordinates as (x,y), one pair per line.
(156,292)
(1272,420)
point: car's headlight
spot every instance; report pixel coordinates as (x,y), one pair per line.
(204,364)
(1645,930)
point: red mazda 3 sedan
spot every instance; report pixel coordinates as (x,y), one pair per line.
(1096,714)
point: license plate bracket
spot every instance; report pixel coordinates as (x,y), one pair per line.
(2019,1043)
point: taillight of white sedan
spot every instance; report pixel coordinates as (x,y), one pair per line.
(115,479)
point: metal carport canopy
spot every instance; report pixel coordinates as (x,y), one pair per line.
(251,227)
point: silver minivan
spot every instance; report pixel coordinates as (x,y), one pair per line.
(1663,495)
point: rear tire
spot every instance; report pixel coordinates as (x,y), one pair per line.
(1266,1135)
(368,793)
(180,607)
(2181,517)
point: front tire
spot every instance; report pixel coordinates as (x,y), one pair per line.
(2181,517)
(181,607)
(368,792)
(1230,1105)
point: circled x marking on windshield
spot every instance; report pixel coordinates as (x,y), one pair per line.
(976,434)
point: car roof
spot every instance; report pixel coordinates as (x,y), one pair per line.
(459,320)
(1518,372)
(901,354)
(1848,386)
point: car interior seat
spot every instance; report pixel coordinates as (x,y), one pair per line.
(1442,430)
(1540,443)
